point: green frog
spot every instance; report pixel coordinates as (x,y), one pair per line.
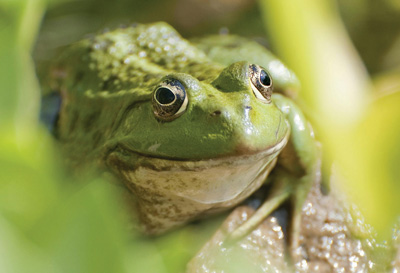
(191,128)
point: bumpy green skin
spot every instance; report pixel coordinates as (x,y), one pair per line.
(106,84)
(227,49)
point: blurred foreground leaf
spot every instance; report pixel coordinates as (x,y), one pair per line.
(83,232)
(372,164)
(310,37)
(19,93)
(46,224)
(361,138)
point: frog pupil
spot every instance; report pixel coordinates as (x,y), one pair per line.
(165,95)
(264,78)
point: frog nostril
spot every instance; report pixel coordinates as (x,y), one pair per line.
(216,113)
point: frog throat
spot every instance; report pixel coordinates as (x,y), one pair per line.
(165,189)
(203,181)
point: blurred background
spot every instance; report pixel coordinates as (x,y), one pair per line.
(346,54)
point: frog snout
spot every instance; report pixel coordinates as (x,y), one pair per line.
(216,113)
(222,112)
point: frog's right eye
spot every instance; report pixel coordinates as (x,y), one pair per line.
(261,83)
(169,100)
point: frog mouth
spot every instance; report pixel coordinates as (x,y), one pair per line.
(170,192)
(208,181)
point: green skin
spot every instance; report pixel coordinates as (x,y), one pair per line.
(107,120)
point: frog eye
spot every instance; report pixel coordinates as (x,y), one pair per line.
(169,100)
(261,83)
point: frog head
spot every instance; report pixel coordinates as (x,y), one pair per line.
(189,137)
(187,119)
(199,145)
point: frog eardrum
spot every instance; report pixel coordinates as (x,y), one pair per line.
(261,83)
(169,100)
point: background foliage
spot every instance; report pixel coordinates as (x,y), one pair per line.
(49,222)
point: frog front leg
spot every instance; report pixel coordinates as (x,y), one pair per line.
(301,160)
(297,169)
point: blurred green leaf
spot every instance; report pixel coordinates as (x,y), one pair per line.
(19,96)
(309,36)
(27,174)
(372,163)
(83,232)
(19,255)
(362,139)
(47,222)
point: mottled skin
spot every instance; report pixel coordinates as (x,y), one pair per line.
(212,156)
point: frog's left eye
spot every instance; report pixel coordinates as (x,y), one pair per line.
(261,83)
(169,100)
